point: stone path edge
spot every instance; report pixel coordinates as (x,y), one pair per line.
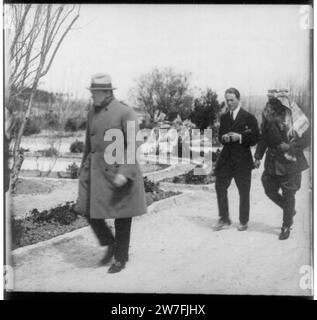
(167,186)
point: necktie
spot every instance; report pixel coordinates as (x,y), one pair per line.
(231,117)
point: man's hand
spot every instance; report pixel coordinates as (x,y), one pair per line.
(120,180)
(234,136)
(257,163)
(284,147)
(226,138)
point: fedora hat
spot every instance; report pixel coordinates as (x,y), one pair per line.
(101,81)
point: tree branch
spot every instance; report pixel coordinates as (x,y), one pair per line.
(20,27)
(30,33)
(58,45)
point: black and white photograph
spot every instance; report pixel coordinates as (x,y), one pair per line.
(158,149)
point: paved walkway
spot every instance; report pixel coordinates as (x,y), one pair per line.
(176,251)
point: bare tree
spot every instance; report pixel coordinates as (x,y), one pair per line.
(164,91)
(36,34)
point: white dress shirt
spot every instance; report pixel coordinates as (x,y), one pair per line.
(234,114)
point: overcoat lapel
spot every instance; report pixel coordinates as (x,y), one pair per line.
(237,119)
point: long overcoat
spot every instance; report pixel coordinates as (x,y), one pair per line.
(275,161)
(98,197)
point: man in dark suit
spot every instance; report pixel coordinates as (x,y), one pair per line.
(238,131)
(284,160)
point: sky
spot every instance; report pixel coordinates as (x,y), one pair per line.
(247,47)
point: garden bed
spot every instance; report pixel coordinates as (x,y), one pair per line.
(191,178)
(39,226)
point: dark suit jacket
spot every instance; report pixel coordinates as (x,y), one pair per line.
(236,155)
(275,161)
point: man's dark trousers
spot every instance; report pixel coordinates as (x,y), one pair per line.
(235,161)
(121,240)
(242,178)
(289,184)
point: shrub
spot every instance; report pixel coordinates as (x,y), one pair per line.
(142,125)
(206,110)
(32,126)
(70,125)
(73,170)
(154,193)
(36,123)
(75,124)
(191,178)
(150,186)
(53,124)
(50,120)
(146,125)
(50,152)
(64,214)
(77,147)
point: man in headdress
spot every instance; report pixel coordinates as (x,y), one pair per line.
(284,162)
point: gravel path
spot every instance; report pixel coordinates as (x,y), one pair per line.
(176,251)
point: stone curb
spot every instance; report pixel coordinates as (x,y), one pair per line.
(157,176)
(66,155)
(150,175)
(70,179)
(157,172)
(153,208)
(187,187)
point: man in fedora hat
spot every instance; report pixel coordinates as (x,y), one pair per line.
(109,190)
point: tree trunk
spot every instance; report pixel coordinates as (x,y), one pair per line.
(17,153)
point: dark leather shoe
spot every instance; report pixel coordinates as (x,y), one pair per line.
(242,227)
(117,266)
(285,232)
(108,256)
(221,224)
